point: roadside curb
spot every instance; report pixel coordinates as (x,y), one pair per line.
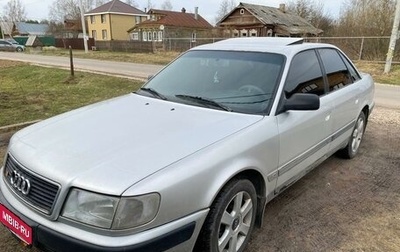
(14,127)
(384,84)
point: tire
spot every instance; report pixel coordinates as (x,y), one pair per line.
(231,219)
(352,147)
(19,49)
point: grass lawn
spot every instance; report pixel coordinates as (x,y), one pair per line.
(32,92)
(376,70)
(159,58)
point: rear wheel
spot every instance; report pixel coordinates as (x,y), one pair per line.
(231,219)
(19,49)
(356,137)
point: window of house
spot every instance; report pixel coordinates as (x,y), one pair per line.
(194,37)
(103,18)
(241,11)
(305,75)
(135,36)
(150,36)
(243,33)
(160,36)
(104,34)
(235,33)
(137,20)
(253,33)
(92,19)
(336,70)
(155,36)
(94,34)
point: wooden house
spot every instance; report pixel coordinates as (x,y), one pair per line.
(250,20)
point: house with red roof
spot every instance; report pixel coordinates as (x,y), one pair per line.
(164,24)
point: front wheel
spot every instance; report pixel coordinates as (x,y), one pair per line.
(231,219)
(356,137)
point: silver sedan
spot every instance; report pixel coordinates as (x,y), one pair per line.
(189,161)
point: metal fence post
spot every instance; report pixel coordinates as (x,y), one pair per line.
(361,48)
(71,61)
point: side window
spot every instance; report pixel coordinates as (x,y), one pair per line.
(336,70)
(353,72)
(305,75)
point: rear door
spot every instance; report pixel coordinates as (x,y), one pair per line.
(343,89)
(303,134)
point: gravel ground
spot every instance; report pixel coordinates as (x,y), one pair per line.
(343,205)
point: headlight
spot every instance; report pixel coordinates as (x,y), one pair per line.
(136,211)
(110,212)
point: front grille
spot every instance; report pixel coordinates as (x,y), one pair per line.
(42,194)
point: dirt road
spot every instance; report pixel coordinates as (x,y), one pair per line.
(340,206)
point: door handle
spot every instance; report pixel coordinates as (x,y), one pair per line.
(328,117)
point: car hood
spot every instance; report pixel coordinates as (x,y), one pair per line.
(109,146)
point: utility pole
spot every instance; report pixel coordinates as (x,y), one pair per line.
(2,21)
(393,38)
(83,27)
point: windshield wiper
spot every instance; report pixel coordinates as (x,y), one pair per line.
(204,101)
(153,92)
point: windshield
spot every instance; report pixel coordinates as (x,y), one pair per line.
(229,80)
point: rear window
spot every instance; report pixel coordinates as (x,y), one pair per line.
(336,70)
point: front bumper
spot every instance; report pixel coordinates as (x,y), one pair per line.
(179,235)
(49,240)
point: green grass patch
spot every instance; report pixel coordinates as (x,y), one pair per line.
(159,58)
(32,92)
(376,70)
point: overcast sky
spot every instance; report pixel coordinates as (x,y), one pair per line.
(38,9)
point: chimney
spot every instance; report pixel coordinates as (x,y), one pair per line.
(196,13)
(183,10)
(282,7)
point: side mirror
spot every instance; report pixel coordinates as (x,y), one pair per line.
(300,102)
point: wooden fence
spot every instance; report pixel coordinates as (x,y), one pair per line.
(75,43)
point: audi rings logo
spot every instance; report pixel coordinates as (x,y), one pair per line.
(20,183)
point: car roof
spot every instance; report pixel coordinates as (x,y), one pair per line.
(286,46)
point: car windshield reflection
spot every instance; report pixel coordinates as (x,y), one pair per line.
(237,81)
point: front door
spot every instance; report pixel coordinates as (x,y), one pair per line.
(304,135)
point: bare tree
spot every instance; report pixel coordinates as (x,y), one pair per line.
(98,3)
(132,3)
(366,18)
(313,12)
(225,7)
(363,18)
(60,10)
(14,11)
(166,5)
(150,5)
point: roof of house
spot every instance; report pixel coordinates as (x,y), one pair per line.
(31,29)
(176,19)
(117,7)
(291,22)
